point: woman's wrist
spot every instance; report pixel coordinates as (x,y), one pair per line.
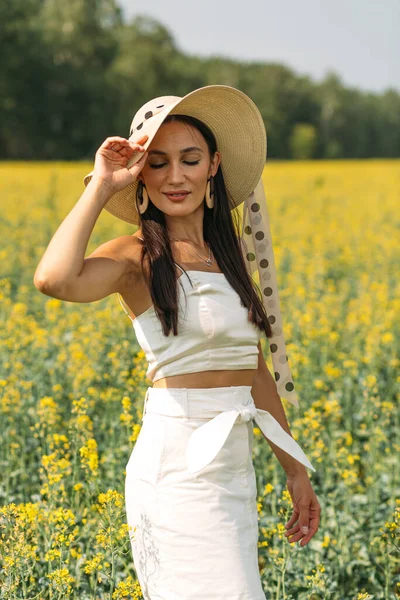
(296,470)
(102,187)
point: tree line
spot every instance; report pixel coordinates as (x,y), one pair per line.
(73,73)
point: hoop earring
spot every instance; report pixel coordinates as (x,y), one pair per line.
(210,192)
(142,198)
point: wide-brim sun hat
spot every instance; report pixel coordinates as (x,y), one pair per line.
(236,123)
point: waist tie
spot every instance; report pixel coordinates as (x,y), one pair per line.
(207,440)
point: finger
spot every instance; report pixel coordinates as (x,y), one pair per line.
(314,525)
(142,139)
(295,537)
(304,519)
(125,149)
(113,140)
(292,530)
(304,542)
(306,538)
(136,147)
(124,152)
(304,533)
(293,518)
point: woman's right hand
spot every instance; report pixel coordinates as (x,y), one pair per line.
(111,160)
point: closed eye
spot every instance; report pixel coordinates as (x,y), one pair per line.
(187,162)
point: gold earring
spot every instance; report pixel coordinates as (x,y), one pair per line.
(142,198)
(210,192)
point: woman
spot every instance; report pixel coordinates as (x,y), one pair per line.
(190,486)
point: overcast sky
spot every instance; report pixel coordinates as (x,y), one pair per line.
(358,39)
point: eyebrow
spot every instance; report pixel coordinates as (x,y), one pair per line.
(190,149)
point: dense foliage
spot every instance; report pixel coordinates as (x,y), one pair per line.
(73,73)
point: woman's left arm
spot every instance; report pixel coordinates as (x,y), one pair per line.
(306,508)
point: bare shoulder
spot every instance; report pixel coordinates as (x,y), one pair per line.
(125,249)
(132,246)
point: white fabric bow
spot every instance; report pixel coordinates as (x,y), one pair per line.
(207,440)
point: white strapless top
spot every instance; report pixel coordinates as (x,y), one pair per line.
(214,332)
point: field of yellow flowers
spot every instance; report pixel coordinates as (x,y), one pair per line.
(72,384)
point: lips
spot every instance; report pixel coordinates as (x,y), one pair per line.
(177,196)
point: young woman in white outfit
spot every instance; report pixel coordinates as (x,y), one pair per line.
(181,278)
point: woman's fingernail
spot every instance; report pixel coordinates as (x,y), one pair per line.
(304,529)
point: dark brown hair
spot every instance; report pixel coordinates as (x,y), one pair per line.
(220,232)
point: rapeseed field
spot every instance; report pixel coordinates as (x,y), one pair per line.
(72,384)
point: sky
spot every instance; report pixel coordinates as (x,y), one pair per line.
(357,39)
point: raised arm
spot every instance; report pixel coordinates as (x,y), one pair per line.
(64,272)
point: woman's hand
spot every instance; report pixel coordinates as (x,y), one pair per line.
(306,509)
(111,160)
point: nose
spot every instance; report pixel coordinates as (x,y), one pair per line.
(175,173)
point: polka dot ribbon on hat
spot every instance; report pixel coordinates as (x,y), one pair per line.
(258,253)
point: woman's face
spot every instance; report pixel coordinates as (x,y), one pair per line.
(178,163)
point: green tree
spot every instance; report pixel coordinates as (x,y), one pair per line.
(82,46)
(303,141)
(283,100)
(22,70)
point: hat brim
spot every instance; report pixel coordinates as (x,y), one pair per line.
(240,134)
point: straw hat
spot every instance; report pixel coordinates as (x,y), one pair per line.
(236,124)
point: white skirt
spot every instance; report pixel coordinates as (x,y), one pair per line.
(190,493)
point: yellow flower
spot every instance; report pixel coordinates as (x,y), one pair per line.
(268,489)
(319,384)
(326,541)
(111,498)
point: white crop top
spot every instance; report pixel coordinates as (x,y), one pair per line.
(213,330)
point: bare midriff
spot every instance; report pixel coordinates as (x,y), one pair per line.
(208,379)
